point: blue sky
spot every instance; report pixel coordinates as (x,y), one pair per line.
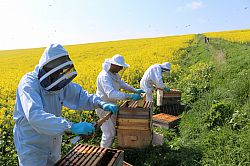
(36,23)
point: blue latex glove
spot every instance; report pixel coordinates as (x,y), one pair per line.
(82,128)
(167,89)
(139,91)
(108,107)
(134,97)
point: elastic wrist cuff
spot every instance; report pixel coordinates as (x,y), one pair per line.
(100,104)
(128,96)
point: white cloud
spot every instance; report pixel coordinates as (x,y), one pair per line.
(191,6)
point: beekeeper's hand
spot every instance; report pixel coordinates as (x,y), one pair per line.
(108,107)
(167,89)
(82,128)
(133,97)
(139,91)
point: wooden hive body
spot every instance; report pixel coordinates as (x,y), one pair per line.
(165,120)
(168,98)
(87,155)
(134,125)
(169,102)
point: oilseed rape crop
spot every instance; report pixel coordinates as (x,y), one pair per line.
(241,36)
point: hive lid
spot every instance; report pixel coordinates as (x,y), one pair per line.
(165,118)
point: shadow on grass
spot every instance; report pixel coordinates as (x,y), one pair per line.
(162,156)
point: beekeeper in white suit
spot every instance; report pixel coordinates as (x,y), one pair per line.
(109,84)
(39,99)
(153,78)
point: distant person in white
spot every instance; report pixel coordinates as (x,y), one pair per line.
(153,78)
(109,84)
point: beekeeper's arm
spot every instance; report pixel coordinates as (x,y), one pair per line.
(107,85)
(41,121)
(78,99)
(129,88)
(157,78)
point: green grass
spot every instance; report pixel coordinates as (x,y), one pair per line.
(214,79)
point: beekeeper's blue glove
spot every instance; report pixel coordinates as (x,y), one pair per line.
(82,128)
(108,107)
(167,89)
(139,91)
(133,96)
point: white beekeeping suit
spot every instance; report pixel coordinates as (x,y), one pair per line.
(39,99)
(108,88)
(153,78)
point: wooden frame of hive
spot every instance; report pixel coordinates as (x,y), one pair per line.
(87,155)
(168,98)
(134,124)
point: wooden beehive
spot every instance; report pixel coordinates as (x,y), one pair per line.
(134,125)
(87,155)
(168,98)
(165,120)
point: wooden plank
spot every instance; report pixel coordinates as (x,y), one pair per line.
(133,127)
(90,155)
(159,97)
(104,119)
(134,117)
(100,156)
(134,112)
(76,153)
(140,103)
(132,109)
(84,153)
(126,164)
(126,138)
(121,120)
(94,158)
(120,158)
(131,124)
(114,159)
(68,155)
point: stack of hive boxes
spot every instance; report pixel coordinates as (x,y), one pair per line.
(134,124)
(170,107)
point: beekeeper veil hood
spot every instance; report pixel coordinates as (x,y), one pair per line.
(166,67)
(56,69)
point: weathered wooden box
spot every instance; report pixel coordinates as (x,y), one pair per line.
(134,125)
(168,98)
(165,120)
(87,155)
(171,109)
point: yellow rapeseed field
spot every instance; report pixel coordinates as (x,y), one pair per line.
(88,59)
(234,36)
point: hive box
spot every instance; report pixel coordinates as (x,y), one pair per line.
(168,98)
(134,125)
(87,155)
(165,120)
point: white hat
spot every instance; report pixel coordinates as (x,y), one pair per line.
(117,60)
(166,65)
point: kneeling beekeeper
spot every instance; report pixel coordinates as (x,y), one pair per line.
(39,99)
